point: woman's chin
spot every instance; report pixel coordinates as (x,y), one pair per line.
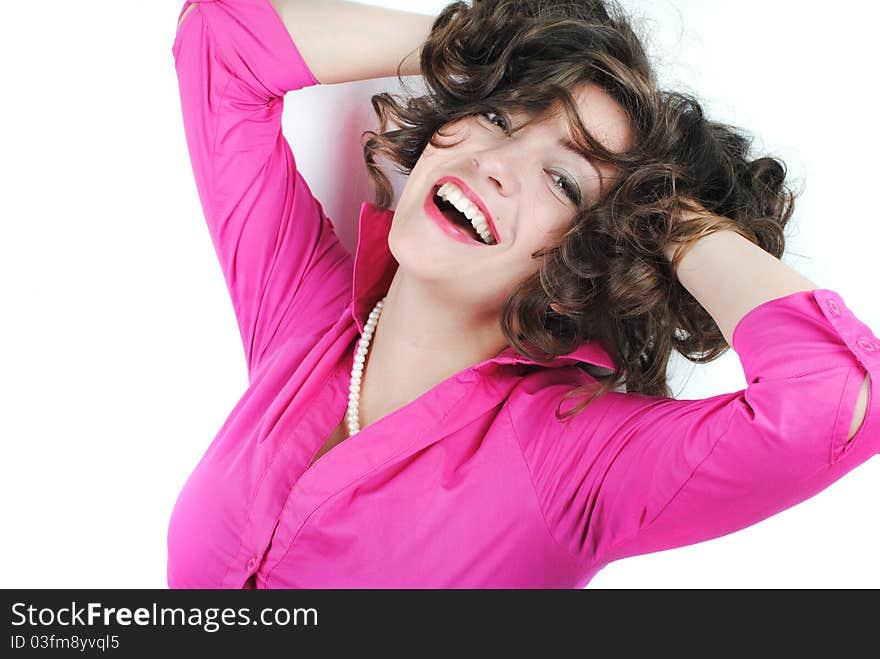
(421,245)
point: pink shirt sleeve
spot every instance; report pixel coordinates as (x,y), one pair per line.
(278,251)
(638,474)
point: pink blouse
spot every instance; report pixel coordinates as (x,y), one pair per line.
(474,483)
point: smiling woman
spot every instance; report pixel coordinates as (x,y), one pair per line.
(562,216)
(564,92)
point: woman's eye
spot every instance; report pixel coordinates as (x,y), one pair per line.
(569,188)
(498,117)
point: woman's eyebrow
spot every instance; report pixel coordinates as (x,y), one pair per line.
(570,146)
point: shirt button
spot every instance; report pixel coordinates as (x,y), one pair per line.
(251,563)
(866,345)
(835,310)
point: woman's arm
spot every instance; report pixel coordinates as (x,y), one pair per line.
(729,276)
(283,264)
(635,474)
(345,41)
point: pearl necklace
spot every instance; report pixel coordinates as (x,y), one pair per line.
(357,371)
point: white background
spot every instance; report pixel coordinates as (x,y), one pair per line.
(120,353)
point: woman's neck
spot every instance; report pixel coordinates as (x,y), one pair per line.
(419,342)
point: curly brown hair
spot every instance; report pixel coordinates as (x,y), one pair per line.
(607,279)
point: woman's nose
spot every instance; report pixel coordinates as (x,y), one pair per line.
(500,168)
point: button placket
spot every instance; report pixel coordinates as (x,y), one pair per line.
(251,563)
(866,344)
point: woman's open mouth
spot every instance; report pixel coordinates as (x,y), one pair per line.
(454,222)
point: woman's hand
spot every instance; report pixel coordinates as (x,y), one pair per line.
(691,210)
(727,273)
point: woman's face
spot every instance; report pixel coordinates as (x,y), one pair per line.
(527,184)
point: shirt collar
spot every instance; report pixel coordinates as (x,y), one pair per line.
(374,268)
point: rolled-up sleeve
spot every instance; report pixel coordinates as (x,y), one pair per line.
(283,264)
(638,474)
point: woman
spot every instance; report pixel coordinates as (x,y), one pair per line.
(564,226)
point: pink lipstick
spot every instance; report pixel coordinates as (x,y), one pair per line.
(473,197)
(446,226)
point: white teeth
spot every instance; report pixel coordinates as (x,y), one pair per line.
(451,193)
